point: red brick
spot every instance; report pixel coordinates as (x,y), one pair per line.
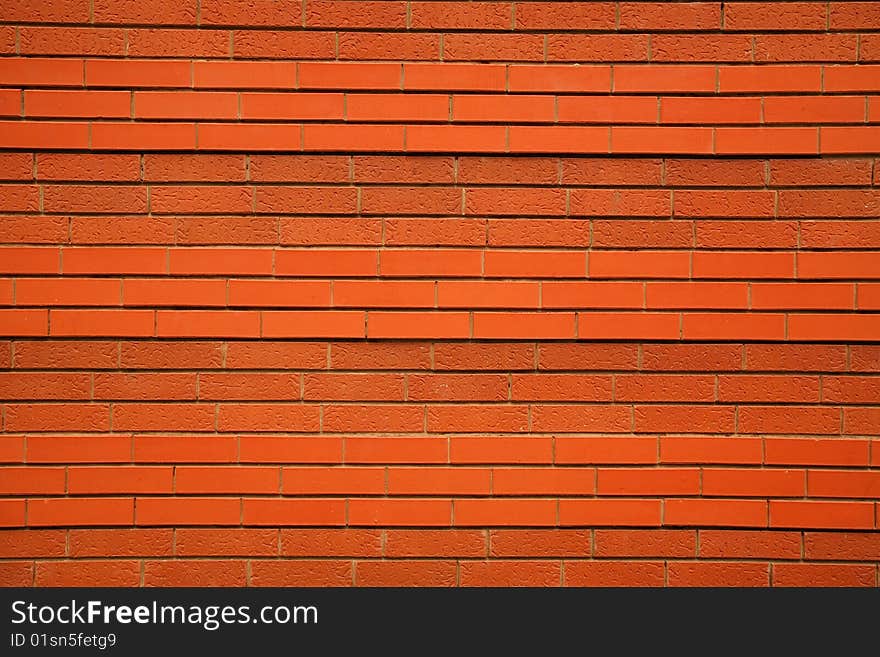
(645,543)
(659,387)
(332,542)
(691,357)
(739,543)
(30,543)
(377,356)
(706,47)
(435,543)
(366,14)
(788,419)
(709,574)
(55,385)
(614,573)
(805,16)
(539,543)
(839,546)
(300,573)
(421,572)
(88,573)
(79,104)
(267,417)
(540,16)
(595,48)
(385,46)
(195,573)
(510,573)
(144,42)
(508,47)
(260,44)
(814,574)
(121,543)
(750,388)
(468,418)
(402,169)
(795,357)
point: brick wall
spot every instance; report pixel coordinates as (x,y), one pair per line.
(439,293)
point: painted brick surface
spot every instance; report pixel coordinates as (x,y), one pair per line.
(439,293)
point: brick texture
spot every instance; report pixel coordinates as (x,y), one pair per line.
(440,293)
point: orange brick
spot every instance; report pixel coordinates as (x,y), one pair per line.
(821,515)
(619,513)
(400,512)
(487,449)
(701,450)
(559,77)
(753,483)
(82,511)
(606,450)
(495,512)
(396,450)
(715,512)
(438,481)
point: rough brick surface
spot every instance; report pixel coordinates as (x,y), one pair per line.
(440,293)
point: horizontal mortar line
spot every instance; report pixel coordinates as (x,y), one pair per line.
(404,371)
(440,555)
(441,496)
(418,122)
(430,403)
(423,90)
(700,157)
(397,29)
(523,185)
(184,434)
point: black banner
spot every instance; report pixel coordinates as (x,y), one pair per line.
(139,621)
